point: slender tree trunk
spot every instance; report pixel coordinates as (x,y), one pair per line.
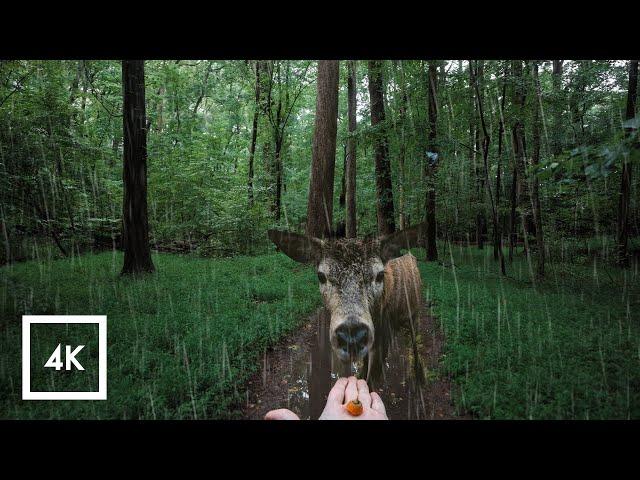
(254,134)
(558,105)
(473,142)
(431,165)
(535,160)
(137,255)
(481,219)
(278,138)
(320,203)
(384,189)
(625,186)
(343,184)
(518,183)
(497,245)
(497,238)
(350,168)
(277,201)
(402,120)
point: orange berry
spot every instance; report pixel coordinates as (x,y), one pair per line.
(354,407)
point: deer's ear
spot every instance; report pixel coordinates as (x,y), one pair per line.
(390,245)
(301,248)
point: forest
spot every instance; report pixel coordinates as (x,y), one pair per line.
(144,190)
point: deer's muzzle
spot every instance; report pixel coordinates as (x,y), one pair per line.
(352,339)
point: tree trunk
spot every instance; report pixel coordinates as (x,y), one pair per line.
(497,238)
(343,185)
(320,203)
(402,120)
(625,186)
(558,105)
(137,255)
(384,189)
(497,245)
(350,169)
(473,142)
(254,134)
(518,184)
(277,201)
(278,137)
(481,218)
(431,165)
(535,160)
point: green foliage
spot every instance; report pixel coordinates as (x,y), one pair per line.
(181,342)
(61,149)
(564,348)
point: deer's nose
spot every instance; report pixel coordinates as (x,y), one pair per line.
(352,336)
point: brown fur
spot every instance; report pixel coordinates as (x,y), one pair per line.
(402,293)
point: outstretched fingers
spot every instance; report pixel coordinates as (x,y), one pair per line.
(363,393)
(351,392)
(376,403)
(336,394)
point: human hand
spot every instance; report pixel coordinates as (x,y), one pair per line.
(344,390)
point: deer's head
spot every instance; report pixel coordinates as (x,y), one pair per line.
(351,276)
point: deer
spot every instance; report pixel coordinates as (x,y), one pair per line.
(369,288)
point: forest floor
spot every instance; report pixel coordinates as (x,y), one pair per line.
(185,341)
(296,375)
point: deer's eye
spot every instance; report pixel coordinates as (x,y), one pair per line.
(322,277)
(380,276)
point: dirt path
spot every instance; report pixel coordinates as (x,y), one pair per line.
(297,374)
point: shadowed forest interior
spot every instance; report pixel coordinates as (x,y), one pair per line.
(143,190)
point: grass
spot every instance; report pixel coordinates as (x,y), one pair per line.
(183,341)
(564,348)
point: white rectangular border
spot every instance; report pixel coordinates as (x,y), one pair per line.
(27,320)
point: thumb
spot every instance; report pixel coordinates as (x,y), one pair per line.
(281,414)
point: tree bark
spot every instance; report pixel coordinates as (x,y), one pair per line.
(254,134)
(473,141)
(558,105)
(535,160)
(320,203)
(497,238)
(384,189)
(481,218)
(350,173)
(625,186)
(402,120)
(518,135)
(431,165)
(497,246)
(137,255)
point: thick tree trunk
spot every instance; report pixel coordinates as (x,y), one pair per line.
(254,134)
(320,203)
(431,165)
(384,189)
(625,186)
(137,255)
(350,168)
(535,160)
